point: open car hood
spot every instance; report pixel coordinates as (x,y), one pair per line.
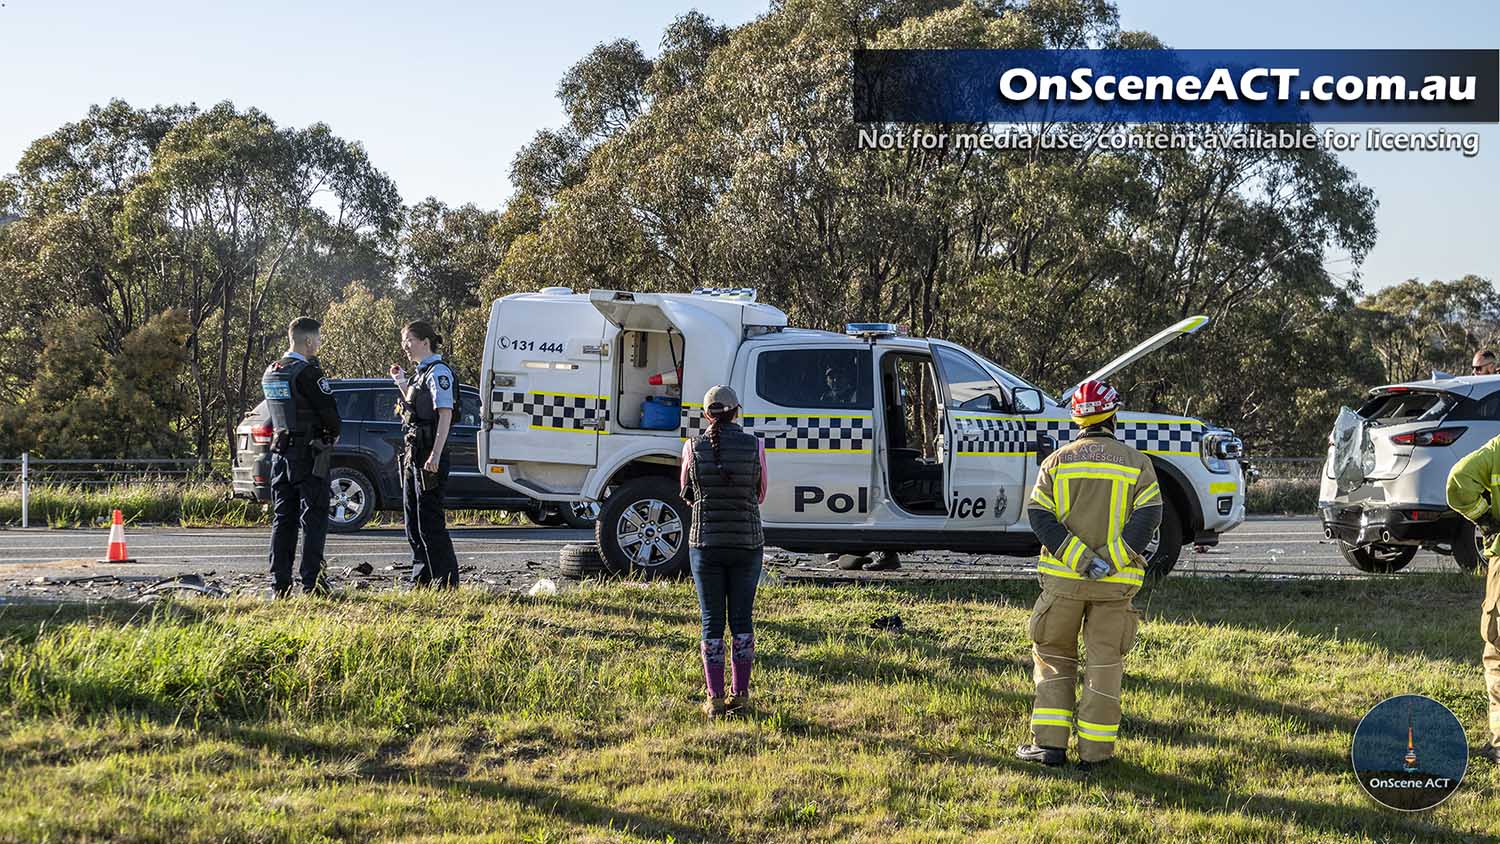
(1156,341)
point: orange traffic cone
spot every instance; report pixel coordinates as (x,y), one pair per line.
(117,553)
(670,378)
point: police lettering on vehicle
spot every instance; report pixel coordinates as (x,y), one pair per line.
(838,502)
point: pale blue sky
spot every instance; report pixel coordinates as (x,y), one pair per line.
(443,93)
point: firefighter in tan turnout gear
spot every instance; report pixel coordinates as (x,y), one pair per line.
(1095,508)
(1474,491)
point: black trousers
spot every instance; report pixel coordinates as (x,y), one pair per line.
(432,559)
(298,500)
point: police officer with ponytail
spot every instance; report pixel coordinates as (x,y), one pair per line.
(305,421)
(428,396)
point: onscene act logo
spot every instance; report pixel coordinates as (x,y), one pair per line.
(1409,753)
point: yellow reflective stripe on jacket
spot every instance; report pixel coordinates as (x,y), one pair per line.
(1472,482)
(1147,495)
(1041,497)
(1097,732)
(1130,471)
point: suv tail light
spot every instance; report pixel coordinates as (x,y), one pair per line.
(1435,436)
(261,434)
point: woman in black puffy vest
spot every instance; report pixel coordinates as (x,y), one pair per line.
(724,480)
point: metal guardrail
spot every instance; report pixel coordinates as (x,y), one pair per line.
(91,472)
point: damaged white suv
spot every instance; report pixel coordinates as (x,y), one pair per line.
(1384,491)
(874,440)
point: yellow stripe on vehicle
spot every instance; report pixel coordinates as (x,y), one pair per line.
(567,430)
(1224,488)
(782,414)
(820,450)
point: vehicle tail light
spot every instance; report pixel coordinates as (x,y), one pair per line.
(1434,436)
(261,434)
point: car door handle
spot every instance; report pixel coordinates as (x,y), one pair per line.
(772,429)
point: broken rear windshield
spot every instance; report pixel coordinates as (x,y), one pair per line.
(1409,406)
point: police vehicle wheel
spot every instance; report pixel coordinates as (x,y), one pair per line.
(580,560)
(1164,549)
(1378,559)
(1468,548)
(643,529)
(351,499)
(579,515)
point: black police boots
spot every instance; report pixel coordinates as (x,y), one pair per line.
(1490,753)
(1049,756)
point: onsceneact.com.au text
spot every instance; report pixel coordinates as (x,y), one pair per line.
(1256,84)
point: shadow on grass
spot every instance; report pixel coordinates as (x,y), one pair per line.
(383,766)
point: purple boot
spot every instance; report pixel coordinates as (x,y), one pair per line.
(742,659)
(713,676)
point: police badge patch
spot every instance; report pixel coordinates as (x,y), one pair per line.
(443,382)
(325,386)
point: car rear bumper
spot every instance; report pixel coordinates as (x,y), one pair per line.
(1390,524)
(247,484)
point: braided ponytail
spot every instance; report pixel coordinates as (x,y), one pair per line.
(713,439)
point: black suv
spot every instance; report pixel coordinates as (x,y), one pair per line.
(365,478)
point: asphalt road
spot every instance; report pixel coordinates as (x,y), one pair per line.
(62,564)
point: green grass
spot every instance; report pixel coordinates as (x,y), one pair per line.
(1282,497)
(203,504)
(492,718)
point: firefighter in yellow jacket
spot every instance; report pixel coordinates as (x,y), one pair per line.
(1095,508)
(1472,489)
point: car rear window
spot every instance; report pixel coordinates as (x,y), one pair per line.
(1409,406)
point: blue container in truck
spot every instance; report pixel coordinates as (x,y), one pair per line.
(661,413)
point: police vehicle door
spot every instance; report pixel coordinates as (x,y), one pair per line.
(813,406)
(543,372)
(984,445)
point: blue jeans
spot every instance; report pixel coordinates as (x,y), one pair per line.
(726,577)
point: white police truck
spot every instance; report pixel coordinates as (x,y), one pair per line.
(875,441)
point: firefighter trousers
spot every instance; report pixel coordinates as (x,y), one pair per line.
(1109,630)
(1489,631)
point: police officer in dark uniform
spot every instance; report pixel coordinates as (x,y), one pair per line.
(428,397)
(306,424)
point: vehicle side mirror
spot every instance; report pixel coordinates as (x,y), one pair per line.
(1027,400)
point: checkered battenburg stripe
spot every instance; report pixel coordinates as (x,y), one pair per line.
(562,413)
(1172,437)
(982,435)
(808,432)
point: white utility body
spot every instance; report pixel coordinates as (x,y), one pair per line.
(874,440)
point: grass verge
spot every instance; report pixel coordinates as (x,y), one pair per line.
(193,505)
(493,718)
